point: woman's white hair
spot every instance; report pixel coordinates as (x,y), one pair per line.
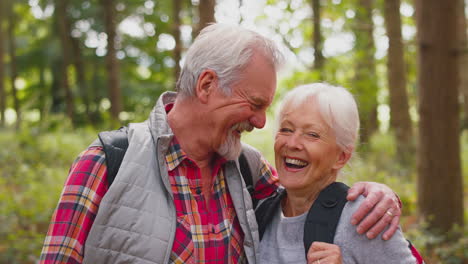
(225,49)
(335,104)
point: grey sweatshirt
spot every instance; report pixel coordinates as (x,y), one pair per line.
(283,243)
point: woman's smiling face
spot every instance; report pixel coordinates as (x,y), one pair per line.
(306,153)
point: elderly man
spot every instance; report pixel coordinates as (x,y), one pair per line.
(178,196)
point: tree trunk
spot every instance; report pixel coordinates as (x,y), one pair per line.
(396,76)
(13,68)
(64,32)
(55,91)
(112,63)
(95,95)
(206,11)
(80,72)
(440,186)
(365,80)
(42,92)
(2,68)
(463,59)
(317,37)
(177,6)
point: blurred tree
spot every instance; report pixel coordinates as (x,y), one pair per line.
(43,92)
(463,59)
(396,76)
(206,11)
(12,19)
(319,60)
(64,31)
(365,77)
(79,63)
(55,91)
(112,63)
(176,9)
(2,68)
(440,183)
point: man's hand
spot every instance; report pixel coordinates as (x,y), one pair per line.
(380,208)
(324,253)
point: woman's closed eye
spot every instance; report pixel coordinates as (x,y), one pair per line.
(313,135)
(285,130)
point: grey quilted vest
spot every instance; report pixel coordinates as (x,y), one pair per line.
(136,220)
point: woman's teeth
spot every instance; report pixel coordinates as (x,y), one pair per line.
(295,163)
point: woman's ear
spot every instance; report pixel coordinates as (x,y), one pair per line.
(206,84)
(343,158)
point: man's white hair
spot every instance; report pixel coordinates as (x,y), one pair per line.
(225,49)
(335,104)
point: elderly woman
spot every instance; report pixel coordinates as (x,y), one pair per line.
(317,131)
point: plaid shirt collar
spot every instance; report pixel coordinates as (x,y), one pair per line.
(176,155)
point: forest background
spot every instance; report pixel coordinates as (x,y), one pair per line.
(69,69)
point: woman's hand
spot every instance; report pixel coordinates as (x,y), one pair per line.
(324,253)
(380,209)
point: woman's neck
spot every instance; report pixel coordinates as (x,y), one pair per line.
(297,202)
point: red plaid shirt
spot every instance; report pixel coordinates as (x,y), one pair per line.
(204,234)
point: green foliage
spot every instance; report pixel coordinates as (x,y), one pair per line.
(448,249)
(33,168)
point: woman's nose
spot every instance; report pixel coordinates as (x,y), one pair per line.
(294,141)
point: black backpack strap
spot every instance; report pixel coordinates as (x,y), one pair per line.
(323,216)
(267,209)
(115,144)
(246,173)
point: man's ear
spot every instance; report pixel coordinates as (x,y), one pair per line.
(206,84)
(343,158)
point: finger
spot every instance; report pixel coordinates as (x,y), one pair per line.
(316,250)
(330,255)
(317,255)
(376,214)
(380,226)
(322,245)
(333,259)
(356,190)
(393,228)
(365,207)
(321,249)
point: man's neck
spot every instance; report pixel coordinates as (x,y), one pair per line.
(189,129)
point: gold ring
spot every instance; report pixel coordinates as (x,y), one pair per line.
(389,213)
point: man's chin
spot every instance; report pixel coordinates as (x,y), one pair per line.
(232,155)
(231,149)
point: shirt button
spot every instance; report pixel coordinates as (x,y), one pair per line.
(198,191)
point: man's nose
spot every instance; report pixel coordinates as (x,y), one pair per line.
(259,119)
